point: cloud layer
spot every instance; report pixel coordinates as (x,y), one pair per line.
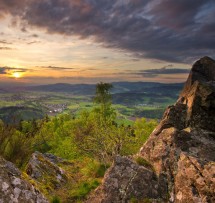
(5,70)
(151,73)
(174,31)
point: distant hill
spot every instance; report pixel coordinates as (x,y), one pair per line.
(119,87)
(78,89)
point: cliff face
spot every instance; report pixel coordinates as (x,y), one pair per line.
(181,151)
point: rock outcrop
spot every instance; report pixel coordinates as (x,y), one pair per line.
(14,188)
(128,181)
(181,150)
(44,169)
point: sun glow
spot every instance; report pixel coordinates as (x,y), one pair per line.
(16,75)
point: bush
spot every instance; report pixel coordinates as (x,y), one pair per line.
(101,171)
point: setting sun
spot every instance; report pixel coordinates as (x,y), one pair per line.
(16,75)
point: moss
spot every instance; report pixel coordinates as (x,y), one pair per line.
(101,171)
(146,200)
(142,162)
(135,200)
(55,199)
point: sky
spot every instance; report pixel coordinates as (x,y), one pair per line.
(88,41)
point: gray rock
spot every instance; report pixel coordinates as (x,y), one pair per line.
(44,169)
(14,189)
(126,180)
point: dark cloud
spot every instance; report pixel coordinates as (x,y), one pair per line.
(5,48)
(91,69)
(4,42)
(151,73)
(33,42)
(174,31)
(13,7)
(5,70)
(34,35)
(55,68)
(176,14)
(135,59)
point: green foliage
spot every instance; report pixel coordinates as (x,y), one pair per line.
(103,98)
(55,199)
(101,171)
(135,200)
(84,189)
(141,161)
(14,145)
(103,93)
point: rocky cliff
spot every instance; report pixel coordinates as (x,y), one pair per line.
(180,151)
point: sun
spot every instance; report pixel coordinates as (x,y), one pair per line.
(16,75)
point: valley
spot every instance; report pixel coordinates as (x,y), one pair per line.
(131,100)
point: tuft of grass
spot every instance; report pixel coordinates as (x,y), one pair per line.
(142,162)
(84,189)
(135,200)
(55,199)
(101,171)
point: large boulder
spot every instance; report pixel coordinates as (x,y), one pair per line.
(128,181)
(14,188)
(44,169)
(181,150)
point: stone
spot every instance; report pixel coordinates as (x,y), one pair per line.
(14,188)
(122,183)
(44,169)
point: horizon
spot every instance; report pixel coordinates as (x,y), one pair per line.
(88,41)
(19,84)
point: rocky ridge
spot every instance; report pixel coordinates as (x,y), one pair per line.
(181,151)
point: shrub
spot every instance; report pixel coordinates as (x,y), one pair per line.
(101,171)
(55,199)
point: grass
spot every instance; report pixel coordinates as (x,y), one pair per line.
(142,162)
(84,189)
(55,199)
